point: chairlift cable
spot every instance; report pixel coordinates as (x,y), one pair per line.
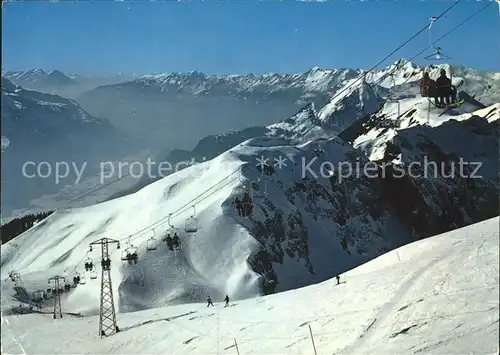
(181,209)
(178,211)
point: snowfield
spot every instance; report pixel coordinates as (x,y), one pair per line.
(435,296)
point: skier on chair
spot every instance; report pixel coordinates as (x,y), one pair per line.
(446,91)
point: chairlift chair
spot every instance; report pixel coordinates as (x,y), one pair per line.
(244,182)
(127,254)
(38,295)
(93,275)
(191,223)
(88,263)
(172,229)
(131,249)
(437,55)
(82,280)
(151,243)
(124,255)
(261,191)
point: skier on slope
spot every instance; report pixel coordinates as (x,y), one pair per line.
(338,279)
(209,301)
(226,299)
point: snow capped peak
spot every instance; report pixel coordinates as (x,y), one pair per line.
(34,78)
(56,72)
(196,73)
(403,64)
(312,81)
(354,100)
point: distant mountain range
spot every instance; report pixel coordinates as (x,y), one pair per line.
(192,115)
(59,83)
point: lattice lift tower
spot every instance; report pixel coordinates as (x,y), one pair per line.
(107,317)
(57,295)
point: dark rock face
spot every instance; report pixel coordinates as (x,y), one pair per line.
(446,192)
(437,193)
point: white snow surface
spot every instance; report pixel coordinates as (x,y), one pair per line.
(435,296)
(414,113)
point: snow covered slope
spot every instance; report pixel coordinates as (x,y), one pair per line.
(303,231)
(435,296)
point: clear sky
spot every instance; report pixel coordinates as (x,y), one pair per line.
(218,37)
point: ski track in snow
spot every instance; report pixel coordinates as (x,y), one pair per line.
(390,306)
(437,295)
(6,328)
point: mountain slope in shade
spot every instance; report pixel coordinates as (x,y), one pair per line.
(42,127)
(438,295)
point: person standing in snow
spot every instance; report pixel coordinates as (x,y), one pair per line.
(209,300)
(338,279)
(227,301)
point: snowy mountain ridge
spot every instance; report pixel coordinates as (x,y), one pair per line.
(149,105)
(34,77)
(197,83)
(313,80)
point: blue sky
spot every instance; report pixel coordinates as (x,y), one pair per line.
(218,37)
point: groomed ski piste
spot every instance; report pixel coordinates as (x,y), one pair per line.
(435,296)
